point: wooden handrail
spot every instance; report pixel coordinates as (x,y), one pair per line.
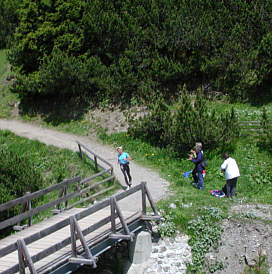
(37,194)
(37,210)
(96,156)
(94,208)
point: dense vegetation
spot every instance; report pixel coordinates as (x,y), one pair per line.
(8,21)
(130,50)
(180,127)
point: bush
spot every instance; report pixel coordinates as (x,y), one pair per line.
(188,122)
(17,176)
(62,75)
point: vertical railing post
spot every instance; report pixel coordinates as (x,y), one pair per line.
(24,258)
(29,207)
(143,187)
(112,205)
(78,189)
(73,236)
(152,204)
(77,233)
(25,207)
(111,173)
(80,151)
(65,195)
(95,163)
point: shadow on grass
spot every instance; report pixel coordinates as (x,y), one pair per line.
(55,110)
(261,96)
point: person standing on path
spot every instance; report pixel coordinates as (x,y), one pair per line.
(198,170)
(232,173)
(123,161)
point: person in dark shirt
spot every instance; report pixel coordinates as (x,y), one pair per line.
(198,170)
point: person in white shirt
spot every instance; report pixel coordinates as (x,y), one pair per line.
(232,173)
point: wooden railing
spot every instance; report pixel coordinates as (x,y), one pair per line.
(71,193)
(25,260)
(86,151)
(27,199)
(251,128)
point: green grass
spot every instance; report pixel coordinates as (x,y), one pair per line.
(54,163)
(254,186)
(252,162)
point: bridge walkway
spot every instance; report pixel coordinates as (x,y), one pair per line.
(48,245)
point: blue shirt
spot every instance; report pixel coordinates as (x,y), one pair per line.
(122,157)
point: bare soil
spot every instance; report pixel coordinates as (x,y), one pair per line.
(247,235)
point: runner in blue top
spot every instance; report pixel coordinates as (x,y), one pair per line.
(123,161)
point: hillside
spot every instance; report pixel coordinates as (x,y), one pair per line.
(85,68)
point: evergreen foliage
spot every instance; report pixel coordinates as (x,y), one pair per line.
(123,50)
(8,21)
(185,124)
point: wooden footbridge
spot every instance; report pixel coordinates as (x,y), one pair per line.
(73,236)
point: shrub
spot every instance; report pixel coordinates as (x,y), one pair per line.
(186,123)
(152,125)
(62,75)
(17,176)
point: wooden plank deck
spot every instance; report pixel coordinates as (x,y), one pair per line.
(59,236)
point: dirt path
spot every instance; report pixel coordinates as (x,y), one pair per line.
(157,186)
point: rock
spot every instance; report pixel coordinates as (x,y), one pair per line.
(172,205)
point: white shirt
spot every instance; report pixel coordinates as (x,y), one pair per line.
(231,168)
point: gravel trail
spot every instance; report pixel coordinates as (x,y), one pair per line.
(157,185)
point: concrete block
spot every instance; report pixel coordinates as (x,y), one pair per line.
(140,249)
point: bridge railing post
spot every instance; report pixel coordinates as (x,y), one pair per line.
(95,163)
(26,206)
(152,204)
(146,193)
(29,207)
(143,188)
(116,210)
(65,192)
(80,151)
(113,224)
(24,258)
